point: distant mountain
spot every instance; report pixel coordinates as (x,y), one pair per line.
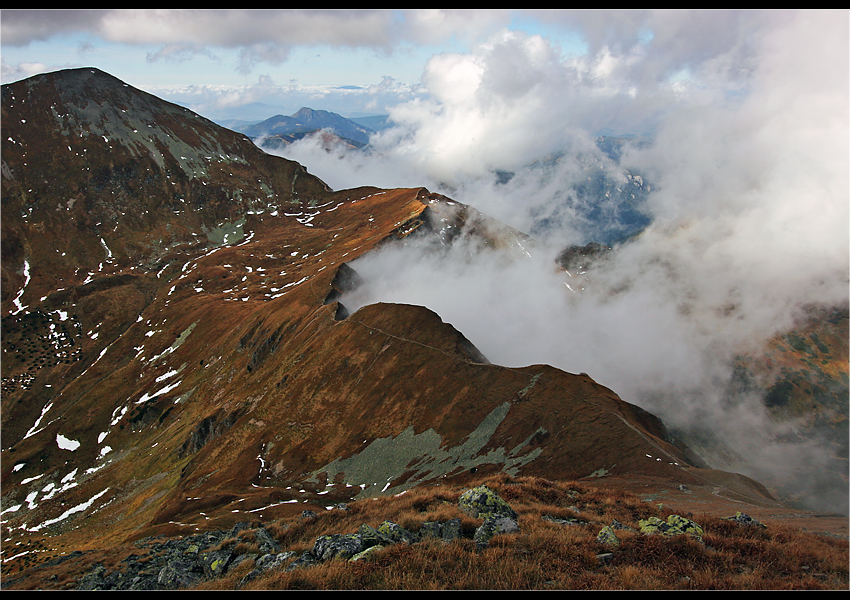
(307,121)
(375,123)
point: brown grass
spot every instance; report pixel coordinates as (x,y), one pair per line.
(546,555)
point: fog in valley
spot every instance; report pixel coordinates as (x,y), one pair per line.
(739,142)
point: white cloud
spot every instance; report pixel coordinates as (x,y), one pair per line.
(749,174)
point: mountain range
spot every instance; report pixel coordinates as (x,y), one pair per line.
(177,356)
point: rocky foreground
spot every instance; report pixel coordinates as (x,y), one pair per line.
(250,555)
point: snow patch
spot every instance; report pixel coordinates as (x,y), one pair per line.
(65,443)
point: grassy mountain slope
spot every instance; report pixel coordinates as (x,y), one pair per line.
(175,356)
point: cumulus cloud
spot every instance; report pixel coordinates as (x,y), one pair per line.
(22,27)
(21,70)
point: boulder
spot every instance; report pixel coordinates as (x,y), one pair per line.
(396,533)
(338,545)
(215,563)
(482,502)
(675,525)
(493,525)
(451,530)
(745,519)
(607,537)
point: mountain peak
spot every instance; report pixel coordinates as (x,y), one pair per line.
(309,112)
(307,121)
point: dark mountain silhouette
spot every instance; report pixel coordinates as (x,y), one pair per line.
(175,355)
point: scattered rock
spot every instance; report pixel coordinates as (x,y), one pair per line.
(745,519)
(307,559)
(186,562)
(482,502)
(675,525)
(365,554)
(559,521)
(338,545)
(451,530)
(372,537)
(607,537)
(494,524)
(396,533)
(267,562)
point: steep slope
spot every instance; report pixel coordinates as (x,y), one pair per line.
(175,356)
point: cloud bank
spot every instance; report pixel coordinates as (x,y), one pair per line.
(261,36)
(748,197)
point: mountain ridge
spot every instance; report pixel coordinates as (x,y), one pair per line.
(175,355)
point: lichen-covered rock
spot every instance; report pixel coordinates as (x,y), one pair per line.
(338,545)
(180,572)
(615,524)
(267,562)
(265,542)
(369,536)
(451,530)
(675,525)
(745,519)
(306,559)
(494,525)
(607,537)
(365,554)
(396,533)
(215,563)
(482,502)
(430,529)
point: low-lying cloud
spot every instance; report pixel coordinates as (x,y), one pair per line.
(747,192)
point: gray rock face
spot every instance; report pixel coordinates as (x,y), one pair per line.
(494,524)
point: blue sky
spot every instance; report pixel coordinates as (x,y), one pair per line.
(232,52)
(391,45)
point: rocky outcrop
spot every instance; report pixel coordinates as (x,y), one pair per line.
(189,561)
(177,563)
(186,562)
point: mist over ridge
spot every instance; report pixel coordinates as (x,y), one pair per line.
(746,193)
